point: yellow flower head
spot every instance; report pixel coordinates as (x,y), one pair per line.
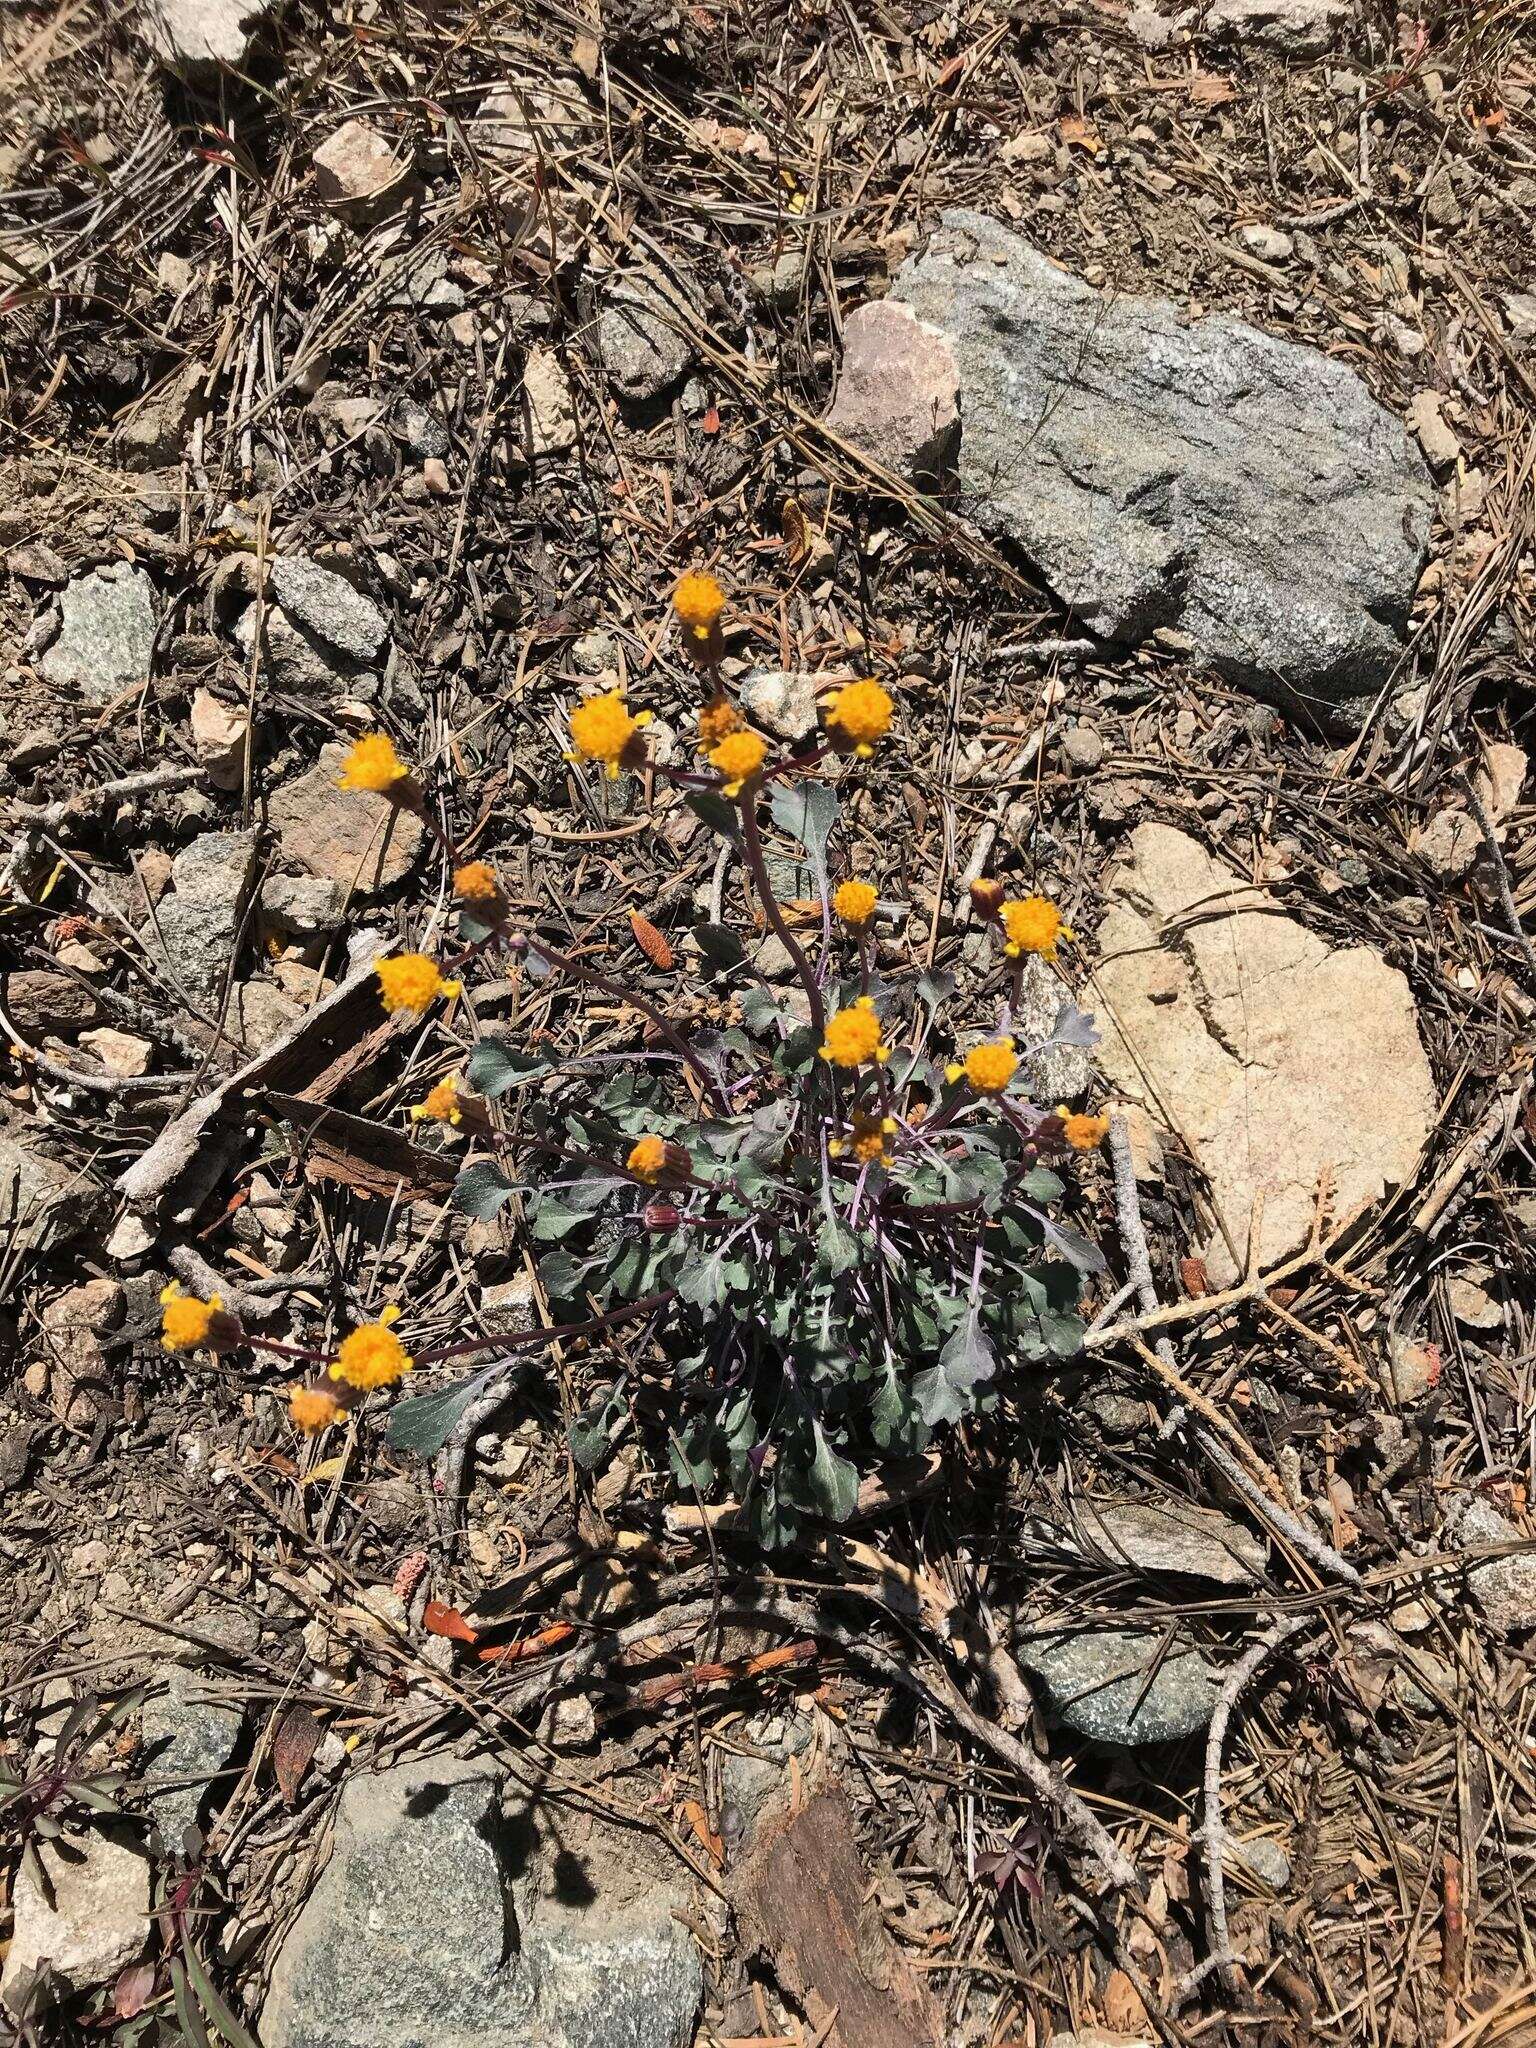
(410,981)
(854,903)
(476,883)
(373,1355)
(187,1324)
(853,1036)
(698,601)
(373,764)
(603,730)
(440,1105)
(738,758)
(1082,1132)
(988,1068)
(1033,926)
(653,1160)
(312,1409)
(860,714)
(868,1140)
(717,721)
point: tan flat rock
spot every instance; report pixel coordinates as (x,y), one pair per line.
(1274,1055)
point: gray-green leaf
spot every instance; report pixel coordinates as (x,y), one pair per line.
(807,811)
(834,1482)
(494,1067)
(481,1189)
(590,1433)
(945,1391)
(426,1421)
(837,1246)
(720,945)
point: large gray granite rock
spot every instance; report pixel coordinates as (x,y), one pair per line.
(200,922)
(189,1736)
(41,1201)
(1198,475)
(1146,1536)
(1301,28)
(1097,1682)
(1053,1072)
(106,633)
(329,607)
(437,1923)
(405,1941)
(638,340)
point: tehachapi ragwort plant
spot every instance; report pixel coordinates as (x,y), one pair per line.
(835,1241)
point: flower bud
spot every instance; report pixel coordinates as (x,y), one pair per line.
(987,895)
(661,1216)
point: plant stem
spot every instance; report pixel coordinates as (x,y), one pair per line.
(621,994)
(643,1306)
(752,845)
(512,1141)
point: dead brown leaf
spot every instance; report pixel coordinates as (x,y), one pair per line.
(698,1820)
(1124,2012)
(1077,133)
(796,529)
(294,1742)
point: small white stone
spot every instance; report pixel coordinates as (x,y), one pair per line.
(552,415)
(1153,31)
(130,1238)
(1426,416)
(572,1723)
(173,272)
(97,1923)
(221,734)
(118,1051)
(1501,778)
(1471,1303)
(782,700)
(358,174)
(1271,245)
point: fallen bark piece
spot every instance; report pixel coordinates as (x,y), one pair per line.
(366,1156)
(805,1900)
(293,1058)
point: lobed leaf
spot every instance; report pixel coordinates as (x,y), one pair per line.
(833,1481)
(806,811)
(946,1391)
(1074,1027)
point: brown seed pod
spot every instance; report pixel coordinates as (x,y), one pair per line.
(651,942)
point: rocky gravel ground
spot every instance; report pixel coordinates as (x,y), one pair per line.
(1146,396)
